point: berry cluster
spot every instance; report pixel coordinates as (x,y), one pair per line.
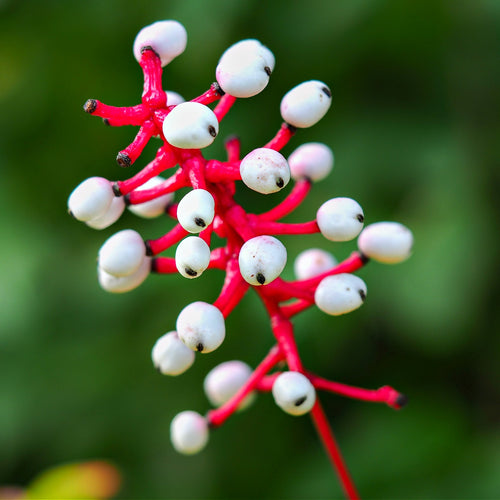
(252,257)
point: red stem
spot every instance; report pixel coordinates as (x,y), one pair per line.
(265,227)
(217,417)
(354,262)
(117,116)
(173,183)
(233,147)
(128,156)
(165,159)
(164,265)
(224,106)
(233,290)
(153,94)
(211,95)
(166,241)
(290,203)
(332,449)
(385,394)
(217,171)
(280,140)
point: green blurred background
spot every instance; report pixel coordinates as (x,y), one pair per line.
(414,127)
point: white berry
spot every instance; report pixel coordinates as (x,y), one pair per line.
(306,104)
(294,393)
(340,294)
(173,98)
(312,160)
(189,432)
(313,262)
(91,199)
(152,208)
(122,253)
(244,68)
(167,38)
(201,327)
(265,170)
(192,256)
(340,219)
(225,380)
(262,259)
(387,242)
(196,210)
(170,356)
(112,214)
(190,125)
(121,284)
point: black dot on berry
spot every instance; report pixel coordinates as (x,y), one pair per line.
(362,294)
(212,131)
(199,222)
(260,278)
(190,272)
(200,347)
(280,182)
(300,401)
(326,91)
(360,217)
(268,70)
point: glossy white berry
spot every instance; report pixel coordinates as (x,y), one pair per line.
(201,327)
(313,262)
(244,68)
(170,356)
(387,242)
(262,259)
(173,98)
(152,208)
(122,253)
(189,432)
(312,160)
(192,256)
(122,284)
(340,294)
(112,214)
(90,199)
(190,125)
(225,380)
(265,170)
(196,210)
(167,38)
(340,219)
(306,104)
(294,393)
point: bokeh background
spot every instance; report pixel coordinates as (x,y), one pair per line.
(415,130)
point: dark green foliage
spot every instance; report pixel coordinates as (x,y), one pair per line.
(414,127)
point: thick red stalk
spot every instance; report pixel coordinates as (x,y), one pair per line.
(153,94)
(332,449)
